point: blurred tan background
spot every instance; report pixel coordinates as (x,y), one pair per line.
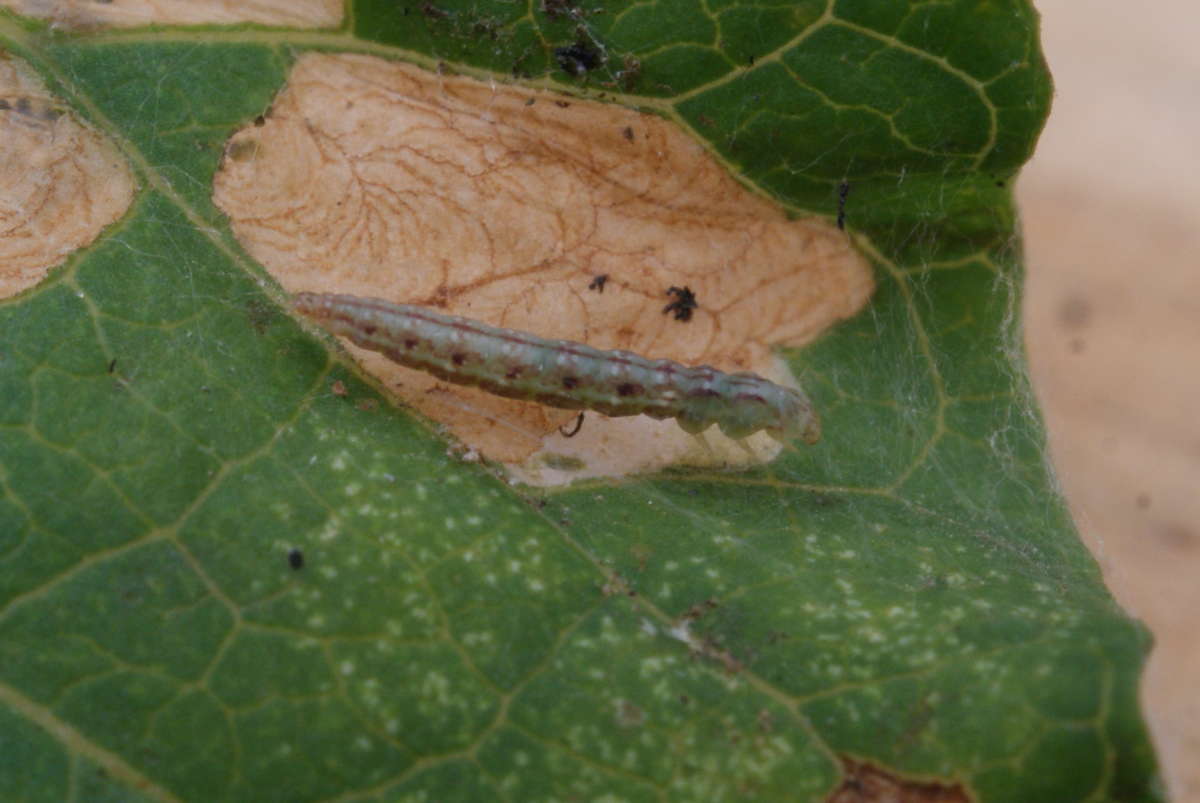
(1111,212)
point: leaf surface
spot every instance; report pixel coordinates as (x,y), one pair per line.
(909,593)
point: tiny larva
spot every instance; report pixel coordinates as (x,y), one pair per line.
(560,373)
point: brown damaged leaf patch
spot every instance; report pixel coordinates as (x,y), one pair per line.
(131,13)
(61,182)
(865,783)
(507,205)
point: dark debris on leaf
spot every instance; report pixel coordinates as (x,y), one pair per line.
(578,59)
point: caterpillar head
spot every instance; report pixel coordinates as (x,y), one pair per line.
(796,418)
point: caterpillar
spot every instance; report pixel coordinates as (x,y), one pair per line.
(565,374)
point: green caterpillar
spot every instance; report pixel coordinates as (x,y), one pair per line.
(564,374)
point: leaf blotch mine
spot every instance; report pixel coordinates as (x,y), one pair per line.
(502,205)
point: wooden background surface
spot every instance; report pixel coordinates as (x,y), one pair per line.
(1111,212)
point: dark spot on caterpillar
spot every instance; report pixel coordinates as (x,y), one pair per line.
(684,303)
(562,104)
(628,132)
(703,393)
(598,283)
(410,343)
(751,397)
(630,389)
(458,358)
(295,559)
(570,382)
(369,329)
(513,372)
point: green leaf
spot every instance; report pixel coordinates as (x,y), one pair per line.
(908,593)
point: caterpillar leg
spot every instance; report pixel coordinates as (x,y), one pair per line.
(708,448)
(745,447)
(787,444)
